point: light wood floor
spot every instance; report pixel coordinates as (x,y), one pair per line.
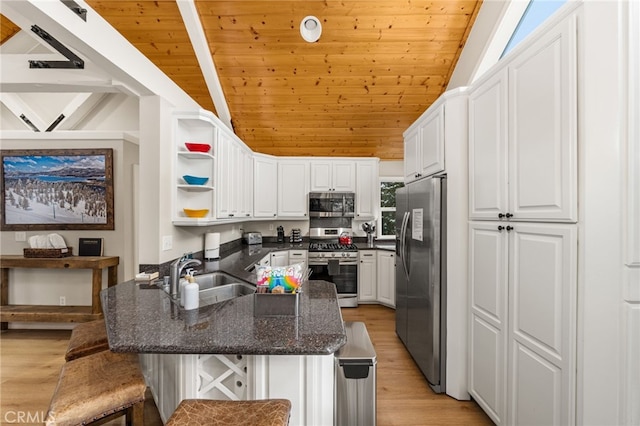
(30,362)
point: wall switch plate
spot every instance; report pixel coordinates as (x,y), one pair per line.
(167,242)
(63,301)
(21,236)
(271,227)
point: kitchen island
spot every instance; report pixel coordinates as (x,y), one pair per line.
(225,351)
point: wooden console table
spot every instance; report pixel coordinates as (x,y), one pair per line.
(53,313)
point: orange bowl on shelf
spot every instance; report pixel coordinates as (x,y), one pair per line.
(197,147)
(196,213)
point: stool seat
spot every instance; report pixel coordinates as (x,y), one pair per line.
(266,412)
(87,338)
(96,386)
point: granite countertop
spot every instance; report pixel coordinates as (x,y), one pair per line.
(143,319)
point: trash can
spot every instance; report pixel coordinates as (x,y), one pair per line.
(355,392)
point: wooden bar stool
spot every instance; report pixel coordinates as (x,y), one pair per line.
(197,412)
(96,387)
(87,338)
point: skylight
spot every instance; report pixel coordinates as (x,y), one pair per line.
(536,13)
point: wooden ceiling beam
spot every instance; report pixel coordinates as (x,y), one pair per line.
(96,41)
(200,46)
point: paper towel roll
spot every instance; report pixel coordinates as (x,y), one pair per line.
(212,245)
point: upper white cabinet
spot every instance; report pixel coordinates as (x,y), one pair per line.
(293,188)
(265,186)
(241,185)
(235,168)
(367,189)
(333,175)
(523,134)
(522,335)
(424,145)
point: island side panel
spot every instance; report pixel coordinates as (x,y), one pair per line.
(308,381)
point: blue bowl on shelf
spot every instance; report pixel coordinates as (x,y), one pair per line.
(195,180)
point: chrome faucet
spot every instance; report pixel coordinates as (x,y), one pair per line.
(176,271)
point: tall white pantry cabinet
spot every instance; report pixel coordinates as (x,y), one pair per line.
(523,237)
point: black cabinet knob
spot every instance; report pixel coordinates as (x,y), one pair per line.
(508,215)
(509,228)
(500,228)
(500,215)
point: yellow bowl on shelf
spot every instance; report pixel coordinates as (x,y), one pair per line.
(196,213)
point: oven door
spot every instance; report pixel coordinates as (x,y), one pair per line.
(344,275)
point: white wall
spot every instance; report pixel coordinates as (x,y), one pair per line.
(389,168)
(34,286)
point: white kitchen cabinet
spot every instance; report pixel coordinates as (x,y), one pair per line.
(523,134)
(367,278)
(246,184)
(298,256)
(293,188)
(386,273)
(228,160)
(522,334)
(193,127)
(424,145)
(265,184)
(367,189)
(265,261)
(333,175)
(234,198)
(279,258)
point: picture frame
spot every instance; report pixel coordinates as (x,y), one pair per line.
(56,189)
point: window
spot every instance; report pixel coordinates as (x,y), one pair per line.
(387,220)
(536,13)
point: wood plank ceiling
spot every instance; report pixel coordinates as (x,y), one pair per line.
(377,66)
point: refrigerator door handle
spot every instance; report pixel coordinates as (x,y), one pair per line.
(405,223)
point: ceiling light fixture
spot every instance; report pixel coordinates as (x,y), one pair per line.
(310,29)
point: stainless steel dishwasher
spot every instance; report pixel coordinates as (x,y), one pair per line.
(355,394)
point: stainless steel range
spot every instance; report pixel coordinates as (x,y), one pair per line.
(334,262)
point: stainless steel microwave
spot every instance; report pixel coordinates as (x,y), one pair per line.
(332,204)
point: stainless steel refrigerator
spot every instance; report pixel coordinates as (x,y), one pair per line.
(421,275)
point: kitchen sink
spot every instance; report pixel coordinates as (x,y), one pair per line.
(212,295)
(215,279)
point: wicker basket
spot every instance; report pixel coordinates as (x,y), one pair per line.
(48,252)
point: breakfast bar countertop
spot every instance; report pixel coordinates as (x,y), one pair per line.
(142,318)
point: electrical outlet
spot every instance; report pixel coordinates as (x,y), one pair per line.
(21,236)
(167,242)
(271,227)
(63,301)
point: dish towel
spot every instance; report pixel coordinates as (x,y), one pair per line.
(334,267)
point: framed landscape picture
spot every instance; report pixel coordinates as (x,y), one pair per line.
(57,189)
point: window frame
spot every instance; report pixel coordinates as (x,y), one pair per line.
(381,179)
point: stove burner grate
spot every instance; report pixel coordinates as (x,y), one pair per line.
(332,247)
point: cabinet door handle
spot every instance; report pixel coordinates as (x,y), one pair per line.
(500,228)
(500,215)
(508,215)
(509,228)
